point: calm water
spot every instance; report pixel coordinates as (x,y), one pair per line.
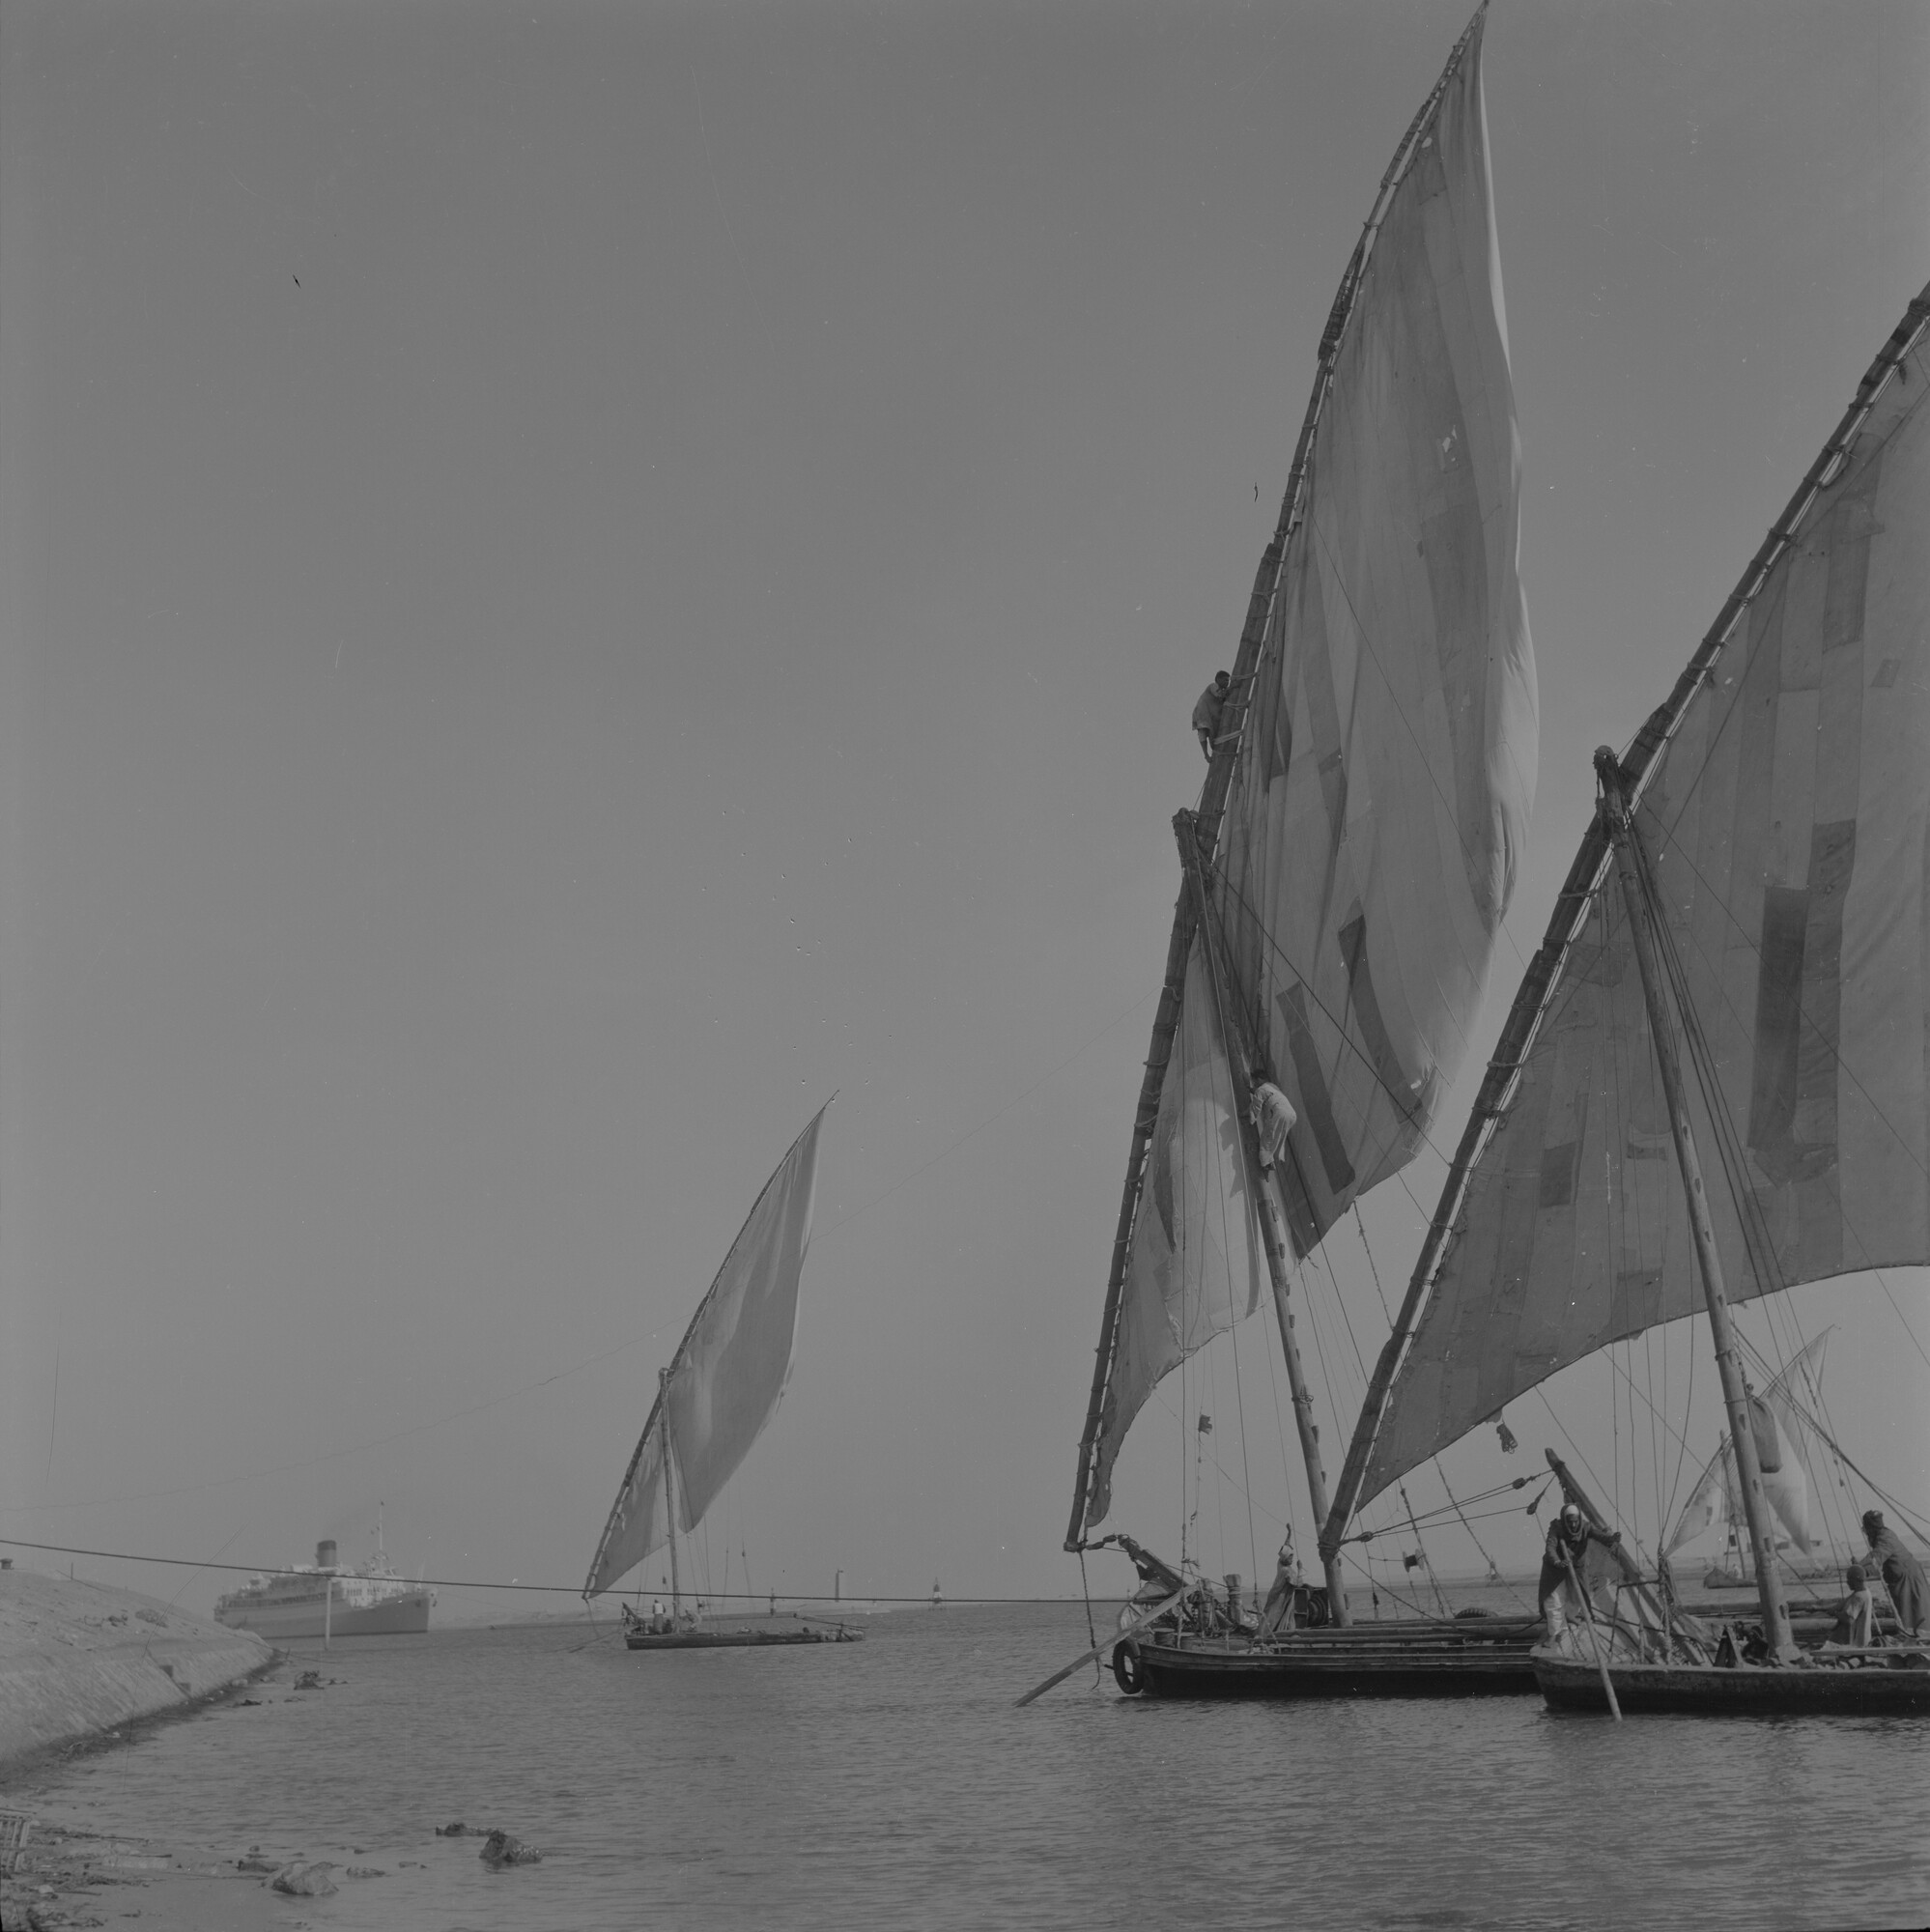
(892,1783)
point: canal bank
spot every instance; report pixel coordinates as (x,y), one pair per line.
(79,1661)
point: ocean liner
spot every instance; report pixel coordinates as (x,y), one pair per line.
(329,1599)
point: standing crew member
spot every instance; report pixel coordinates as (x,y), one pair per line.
(1283,1597)
(1569,1536)
(1206,713)
(1856,1616)
(1902,1574)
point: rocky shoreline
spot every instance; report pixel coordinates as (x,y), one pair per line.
(84,1667)
(81,1661)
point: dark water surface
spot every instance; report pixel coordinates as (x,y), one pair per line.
(892,1783)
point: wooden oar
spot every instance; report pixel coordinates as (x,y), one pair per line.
(1118,1636)
(1594,1643)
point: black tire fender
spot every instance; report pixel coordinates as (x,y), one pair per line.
(1128,1672)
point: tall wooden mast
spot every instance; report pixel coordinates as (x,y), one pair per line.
(669,1487)
(1585,878)
(1246,1066)
(1630,868)
(1205,829)
(1166,1020)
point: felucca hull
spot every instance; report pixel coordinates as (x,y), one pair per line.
(1485,1658)
(1891,1687)
(738,1639)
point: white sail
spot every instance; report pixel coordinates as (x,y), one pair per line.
(1708,1504)
(1785,795)
(1787,1484)
(727,1377)
(1380,805)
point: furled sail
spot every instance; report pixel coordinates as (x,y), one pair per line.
(1384,710)
(1194,1267)
(1714,1500)
(1783,798)
(728,1371)
(1380,803)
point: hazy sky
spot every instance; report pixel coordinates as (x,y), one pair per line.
(573,580)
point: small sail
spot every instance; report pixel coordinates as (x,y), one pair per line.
(1781,1406)
(1791,1398)
(726,1376)
(1783,794)
(1380,799)
(1195,1265)
(1708,1504)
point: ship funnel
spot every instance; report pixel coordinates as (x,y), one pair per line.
(325,1554)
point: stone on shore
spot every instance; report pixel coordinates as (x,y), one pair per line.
(306,1881)
(79,1660)
(500,1849)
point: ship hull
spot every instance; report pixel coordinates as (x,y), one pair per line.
(740,1640)
(1420,1659)
(1884,1686)
(639,1636)
(405,1615)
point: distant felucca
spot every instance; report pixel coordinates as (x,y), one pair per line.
(721,1388)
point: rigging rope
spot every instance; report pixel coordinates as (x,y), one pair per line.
(1085,1592)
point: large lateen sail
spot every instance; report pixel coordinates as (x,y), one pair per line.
(1376,770)
(1380,799)
(724,1384)
(1782,795)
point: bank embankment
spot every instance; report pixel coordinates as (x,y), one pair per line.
(79,1661)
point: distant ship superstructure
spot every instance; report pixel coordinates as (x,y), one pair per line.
(328,1598)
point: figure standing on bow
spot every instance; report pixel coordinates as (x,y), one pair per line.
(1569,1536)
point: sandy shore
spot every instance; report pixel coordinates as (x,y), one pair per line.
(85,1671)
(73,1880)
(70,1877)
(87,1668)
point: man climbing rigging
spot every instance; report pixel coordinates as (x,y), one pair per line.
(1902,1574)
(1273,1118)
(1206,713)
(1569,1536)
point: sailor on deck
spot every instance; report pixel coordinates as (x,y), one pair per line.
(1569,1536)
(1282,1598)
(1206,713)
(1902,1574)
(1856,1618)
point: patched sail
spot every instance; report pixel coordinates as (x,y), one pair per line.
(1376,764)
(1783,796)
(728,1374)
(1195,1265)
(1380,803)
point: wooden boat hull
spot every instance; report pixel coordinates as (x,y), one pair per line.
(1485,1658)
(737,1639)
(1881,1688)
